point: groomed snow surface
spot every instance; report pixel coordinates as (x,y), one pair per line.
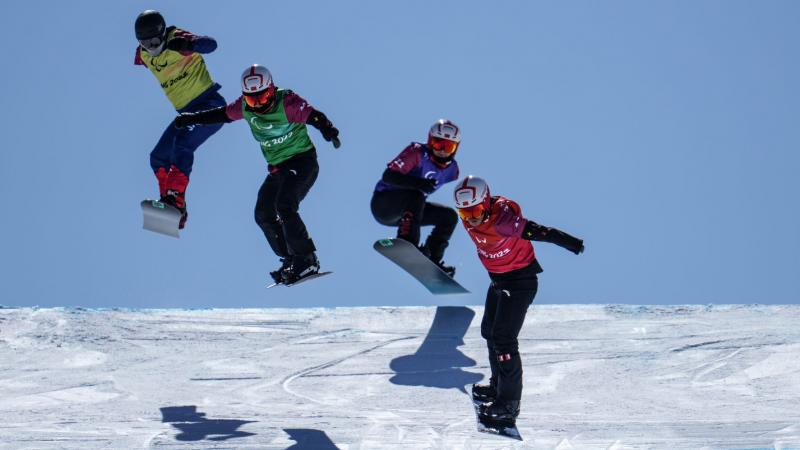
(596,377)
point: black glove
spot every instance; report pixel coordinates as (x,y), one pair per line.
(427,185)
(535,232)
(331,134)
(185,119)
(179,44)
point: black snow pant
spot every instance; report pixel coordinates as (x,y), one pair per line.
(407,209)
(278,203)
(507,302)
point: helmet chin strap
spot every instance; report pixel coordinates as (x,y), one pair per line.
(442,162)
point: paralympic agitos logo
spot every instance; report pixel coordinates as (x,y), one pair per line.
(158,67)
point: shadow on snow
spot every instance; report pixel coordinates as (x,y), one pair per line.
(438,361)
(309,439)
(194,426)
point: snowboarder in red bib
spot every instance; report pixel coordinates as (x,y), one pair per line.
(174,57)
(502,235)
(277,119)
(400,197)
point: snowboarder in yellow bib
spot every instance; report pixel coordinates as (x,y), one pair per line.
(174,56)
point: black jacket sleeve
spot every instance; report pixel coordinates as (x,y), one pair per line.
(407,181)
(319,120)
(535,232)
(211,116)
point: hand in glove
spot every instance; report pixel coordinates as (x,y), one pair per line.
(331,134)
(427,185)
(180,44)
(184,120)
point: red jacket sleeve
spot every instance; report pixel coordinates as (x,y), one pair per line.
(409,158)
(137,59)
(234,109)
(508,220)
(296,108)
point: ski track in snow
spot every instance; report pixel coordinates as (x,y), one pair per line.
(596,377)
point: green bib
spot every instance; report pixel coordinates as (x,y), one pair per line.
(279,139)
(182,78)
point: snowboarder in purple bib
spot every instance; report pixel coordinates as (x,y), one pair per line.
(278,119)
(174,57)
(400,197)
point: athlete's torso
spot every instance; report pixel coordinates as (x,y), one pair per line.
(500,247)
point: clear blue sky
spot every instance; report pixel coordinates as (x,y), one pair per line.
(665,134)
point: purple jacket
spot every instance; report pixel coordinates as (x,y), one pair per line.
(415,160)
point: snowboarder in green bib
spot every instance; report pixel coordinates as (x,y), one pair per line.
(277,119)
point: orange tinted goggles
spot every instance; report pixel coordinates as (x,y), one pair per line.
(473,212)
(445,146)
(258,99)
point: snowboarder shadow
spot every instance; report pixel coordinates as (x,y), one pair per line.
(306,438)
(438,361)
(194,426)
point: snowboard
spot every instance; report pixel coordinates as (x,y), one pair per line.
(499,428)
(160,217)
(301,280)
(409,258)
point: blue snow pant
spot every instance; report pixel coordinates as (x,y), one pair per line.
(177,146)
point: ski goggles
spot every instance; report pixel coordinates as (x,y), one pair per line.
(472,212)
(444,147)
(259,98)
(152,43)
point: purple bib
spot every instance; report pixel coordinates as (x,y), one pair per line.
(425,168)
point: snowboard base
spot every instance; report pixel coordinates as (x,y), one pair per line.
(161,218)
(409,258)
(301,280)
(496,427)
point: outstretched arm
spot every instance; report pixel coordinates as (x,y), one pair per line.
(321,122)
(186,42)
(426,185)
(535,232)
(210,116)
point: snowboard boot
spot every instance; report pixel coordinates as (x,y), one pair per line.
(301,266)
(484,393)
(434,250)
(501,411)
(277,275)
(449,270)
(176,193)
(178,200)
(408,228)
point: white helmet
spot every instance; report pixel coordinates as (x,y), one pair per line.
(256,79)
(445,129)
(471,191)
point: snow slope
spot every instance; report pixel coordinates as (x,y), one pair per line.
(596,377)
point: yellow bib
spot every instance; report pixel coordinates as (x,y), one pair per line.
(182,78)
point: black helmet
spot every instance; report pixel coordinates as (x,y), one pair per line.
(150,24)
